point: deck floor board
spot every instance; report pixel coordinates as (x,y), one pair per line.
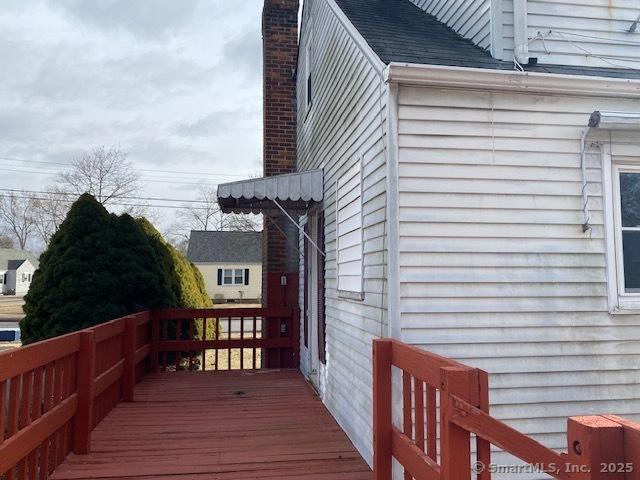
(219,426)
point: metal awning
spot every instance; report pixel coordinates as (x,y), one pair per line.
(293,191)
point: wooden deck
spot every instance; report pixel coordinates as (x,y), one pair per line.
(219,426)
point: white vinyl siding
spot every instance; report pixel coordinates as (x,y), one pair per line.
(592,33)
(470,18)
(346,126)
(495,270)
(349,213)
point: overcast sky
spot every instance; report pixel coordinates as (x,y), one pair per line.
(176,83)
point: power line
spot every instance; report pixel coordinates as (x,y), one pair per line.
(143,179)
(114,204)
(155,170)
(124,197)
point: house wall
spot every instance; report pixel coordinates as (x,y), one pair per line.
(3,287)
(345,123)
(471,19)
(253,291)
(495,270)
(577,32)
(15,281)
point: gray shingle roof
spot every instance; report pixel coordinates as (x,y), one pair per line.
(399,31)
(224,247)
(10,258)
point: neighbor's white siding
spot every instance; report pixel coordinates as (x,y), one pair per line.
(578,32)
(494,268)
(470,18)
(346,123)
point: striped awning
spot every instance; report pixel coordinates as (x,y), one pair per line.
(293,191)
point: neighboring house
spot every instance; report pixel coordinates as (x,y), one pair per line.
(463,195)
(230,262)
(16,271)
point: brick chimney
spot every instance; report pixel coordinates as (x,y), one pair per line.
(280,54)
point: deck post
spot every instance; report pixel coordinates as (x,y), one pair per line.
(83,422)
(129,376)
(596,449)
(382,432)
(455,440)
(295,334)
(155,337)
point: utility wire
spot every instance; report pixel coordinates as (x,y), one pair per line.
(124,197)
(114,204)
(43,162)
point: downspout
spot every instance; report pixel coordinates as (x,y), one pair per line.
(520,35)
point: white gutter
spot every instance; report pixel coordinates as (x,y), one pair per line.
(510,80)
(520,34)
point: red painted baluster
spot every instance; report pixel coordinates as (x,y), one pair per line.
(204,338)
(255,327)
(86,374)
(407,423)
(419,400)
(241,343)
(432,423)
(229,349)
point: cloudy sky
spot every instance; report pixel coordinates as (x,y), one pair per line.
(175,83)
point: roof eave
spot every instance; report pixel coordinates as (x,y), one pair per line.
(510,80)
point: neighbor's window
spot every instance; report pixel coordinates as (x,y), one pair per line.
(349,219)
(231,276)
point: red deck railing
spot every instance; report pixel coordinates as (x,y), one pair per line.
(233,338)
(53,393)
(598,447)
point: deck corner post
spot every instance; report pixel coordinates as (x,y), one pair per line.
(83,422)
(595,446)
(382,398)
(129,376)
(455,440)
(155,338)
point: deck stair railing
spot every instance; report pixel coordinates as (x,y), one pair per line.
(53,393)
(598,447)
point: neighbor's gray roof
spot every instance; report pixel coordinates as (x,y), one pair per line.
(399,31)
(10,258)
(224,247)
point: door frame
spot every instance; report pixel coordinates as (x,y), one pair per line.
(311,301)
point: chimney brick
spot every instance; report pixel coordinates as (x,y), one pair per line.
(280,54)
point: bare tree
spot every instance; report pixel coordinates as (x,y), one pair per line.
(50,209)
(16,212)
(5,239)
(103,172)
(207,215)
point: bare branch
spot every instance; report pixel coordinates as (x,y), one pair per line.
(16,212)
(49,211)
(104,173)
(208,216)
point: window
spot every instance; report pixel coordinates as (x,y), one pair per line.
(621,188)
(349,219)
(308,68)
(233,276)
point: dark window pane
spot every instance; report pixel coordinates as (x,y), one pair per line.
(630,199)
(631,254)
